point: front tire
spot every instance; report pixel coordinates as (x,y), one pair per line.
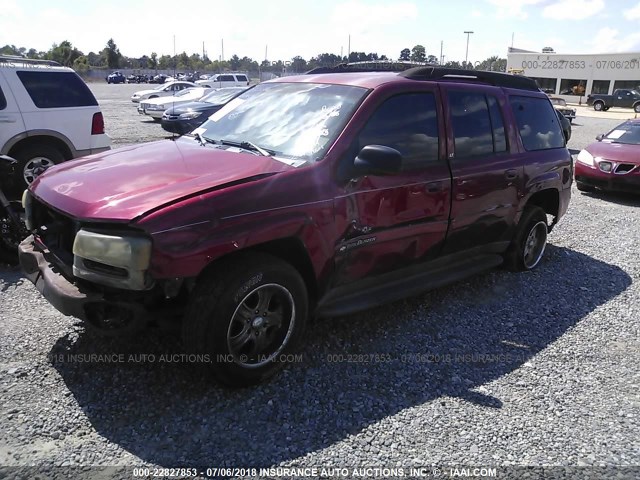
(598,106)
(247,317)
(529,242)
(636,108)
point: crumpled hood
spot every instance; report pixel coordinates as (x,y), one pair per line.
(122,184)
(617,152)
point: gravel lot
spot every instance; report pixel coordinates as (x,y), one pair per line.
(533,369)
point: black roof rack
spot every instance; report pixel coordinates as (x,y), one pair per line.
(19,59)
(492,78)
(369,66)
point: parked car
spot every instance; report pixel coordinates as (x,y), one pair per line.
(116,77)
(566,126)
(613,162)
(560,104)
(620,98)
(163,90)
(311,195)
(225,80)
(186,117)
(48,115)
(137,79)
(155,107)
(160,78)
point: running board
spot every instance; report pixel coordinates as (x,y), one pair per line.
(390,287)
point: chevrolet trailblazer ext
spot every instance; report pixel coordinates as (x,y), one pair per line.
(320,194)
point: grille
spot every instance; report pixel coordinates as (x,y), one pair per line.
(623,168)
(55,230)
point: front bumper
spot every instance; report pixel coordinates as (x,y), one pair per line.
(67,297)
(594,177)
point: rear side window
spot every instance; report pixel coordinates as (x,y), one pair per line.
(538,123)
(478,128)
(56,89)
(3,101)
(241,78)
(408,123)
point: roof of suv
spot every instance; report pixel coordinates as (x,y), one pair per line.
(371,77)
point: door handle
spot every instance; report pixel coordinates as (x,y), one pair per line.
(511,174)
(433,187)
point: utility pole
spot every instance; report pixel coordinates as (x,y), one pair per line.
(349,48)
(441,57)
(222,43)
(466,56)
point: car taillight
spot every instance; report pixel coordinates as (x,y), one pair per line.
(97,124)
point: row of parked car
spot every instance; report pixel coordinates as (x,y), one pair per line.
(219,79)
(182,106)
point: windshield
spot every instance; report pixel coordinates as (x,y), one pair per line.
(221,96)
(627,132)
(190,91)
(295,120)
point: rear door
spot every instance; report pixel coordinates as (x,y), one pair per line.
(486,166)
(393,221)
(11,123)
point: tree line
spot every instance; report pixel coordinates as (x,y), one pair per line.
(110,57)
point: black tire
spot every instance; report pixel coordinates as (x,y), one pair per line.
(636,108)
(224,307)
(529,242)
(606,109)
(32,161)
(598,106)
(583,187)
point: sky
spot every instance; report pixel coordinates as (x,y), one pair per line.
(282,29)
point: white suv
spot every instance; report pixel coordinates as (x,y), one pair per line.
(222,80)
(47,115)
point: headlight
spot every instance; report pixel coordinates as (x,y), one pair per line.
(189,115)
(26,204)
(586,158)
(114,260)
(157,107)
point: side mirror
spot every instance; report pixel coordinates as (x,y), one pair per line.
(378,160)
(600,137)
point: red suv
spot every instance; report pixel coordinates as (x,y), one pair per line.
(315,195)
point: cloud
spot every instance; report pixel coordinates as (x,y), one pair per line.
(609,40)
(512,8)
(633,13)
(573,9)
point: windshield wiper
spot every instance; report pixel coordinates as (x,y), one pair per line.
(203,140)
(246,145)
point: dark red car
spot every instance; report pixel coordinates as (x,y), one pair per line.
(314,195)
(613,162)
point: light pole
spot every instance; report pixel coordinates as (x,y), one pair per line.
(466,56)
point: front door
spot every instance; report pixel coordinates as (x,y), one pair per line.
(391,221)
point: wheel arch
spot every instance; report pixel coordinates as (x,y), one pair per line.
(288,249)
(40,137)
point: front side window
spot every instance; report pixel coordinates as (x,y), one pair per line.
(50,89)
(538,124)
(408,123)
(298,121)
(3,101)
(478,128)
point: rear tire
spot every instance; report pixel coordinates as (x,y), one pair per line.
(598,106)
(33,160)
(636,108)
(246,317)
(529,243)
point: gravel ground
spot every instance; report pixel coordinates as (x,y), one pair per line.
(533,369)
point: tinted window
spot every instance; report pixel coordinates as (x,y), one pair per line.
(226,78)
(408,123)
(241,78)
(538,124)
(3,101)
(471,124)
(56,89)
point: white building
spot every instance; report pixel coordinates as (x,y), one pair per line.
(572,75)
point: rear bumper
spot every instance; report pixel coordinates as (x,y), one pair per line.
(68,298)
